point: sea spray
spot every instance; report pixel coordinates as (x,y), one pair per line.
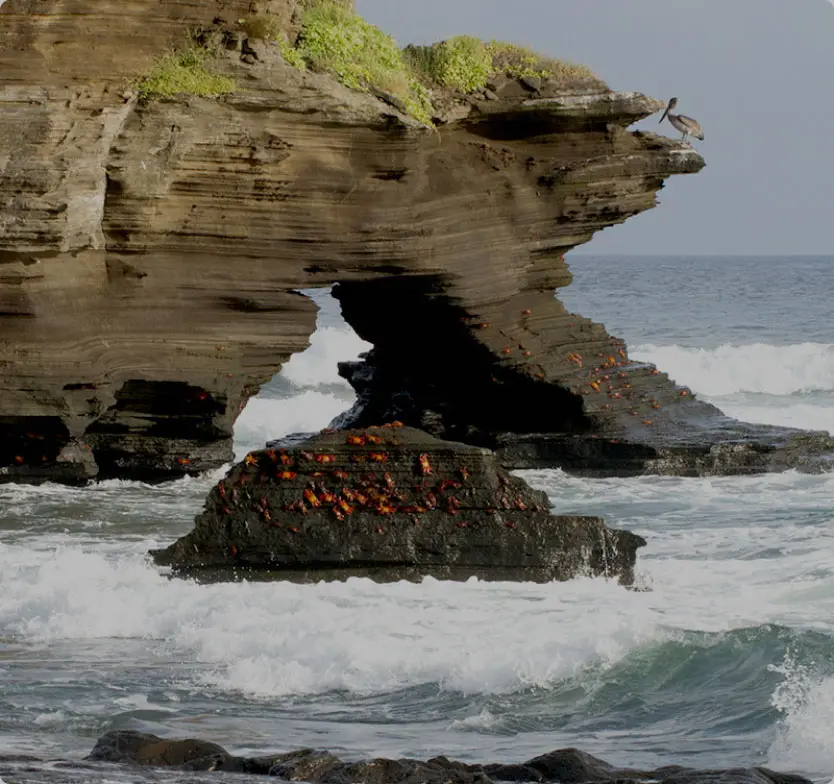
(760,368)
(805,700)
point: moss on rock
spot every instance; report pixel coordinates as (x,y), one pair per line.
(184,72)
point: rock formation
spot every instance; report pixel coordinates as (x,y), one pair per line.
(565,766)
(546,388)
(150,252)
(390,503)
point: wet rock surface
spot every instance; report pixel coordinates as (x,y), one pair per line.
(546,388)
(390,503)
(563,766)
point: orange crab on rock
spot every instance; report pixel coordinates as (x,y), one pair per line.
(310,498)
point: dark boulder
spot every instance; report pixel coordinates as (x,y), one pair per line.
(563,766)
(139,748)
(390,503)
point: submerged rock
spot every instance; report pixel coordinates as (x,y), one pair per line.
(390,503)
(566,766)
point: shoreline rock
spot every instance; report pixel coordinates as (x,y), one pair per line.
(562,766)
(546,388)
(389,503)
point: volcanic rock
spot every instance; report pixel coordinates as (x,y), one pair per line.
(390,503)
(563,766)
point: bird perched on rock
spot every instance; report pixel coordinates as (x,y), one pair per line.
(686,125)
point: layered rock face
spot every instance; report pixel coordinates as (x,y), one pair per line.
(390,503)
(545,388)
(150,254)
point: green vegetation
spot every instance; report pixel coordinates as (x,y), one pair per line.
(335,39)
(518,61)
(184,72)
(465,63)
(461,63)
(263,27)
(291,54)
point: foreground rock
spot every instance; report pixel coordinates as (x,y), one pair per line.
(565,766)
(391,503)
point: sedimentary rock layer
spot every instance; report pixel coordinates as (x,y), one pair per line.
(545,388)
(150,252)
(391,503)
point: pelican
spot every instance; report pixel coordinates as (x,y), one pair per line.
(686,125)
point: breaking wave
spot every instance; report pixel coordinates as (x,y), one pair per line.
(805,700)
(757,368)
(318,365)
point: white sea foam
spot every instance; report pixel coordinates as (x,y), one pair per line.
(767,537)
(729,369)
(318,364)
(266,418)
(805,698)
(780,411)
(314,372)
(485,721)
(277,639)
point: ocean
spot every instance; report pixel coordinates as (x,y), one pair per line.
(726,658)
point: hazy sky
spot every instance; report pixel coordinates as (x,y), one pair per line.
(757,74)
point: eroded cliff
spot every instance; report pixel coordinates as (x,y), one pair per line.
(151,251)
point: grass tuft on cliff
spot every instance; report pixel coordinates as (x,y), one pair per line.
(335,39)
(518,61)
(263,27)
(461,63)
(466,64)
(184,72)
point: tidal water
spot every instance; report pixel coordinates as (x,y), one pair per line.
(726,659)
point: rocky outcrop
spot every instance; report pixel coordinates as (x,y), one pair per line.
(390,503)
(563,766)
(150,253)
(546,388)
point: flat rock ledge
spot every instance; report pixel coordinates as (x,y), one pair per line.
(390,503)
(569,766)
